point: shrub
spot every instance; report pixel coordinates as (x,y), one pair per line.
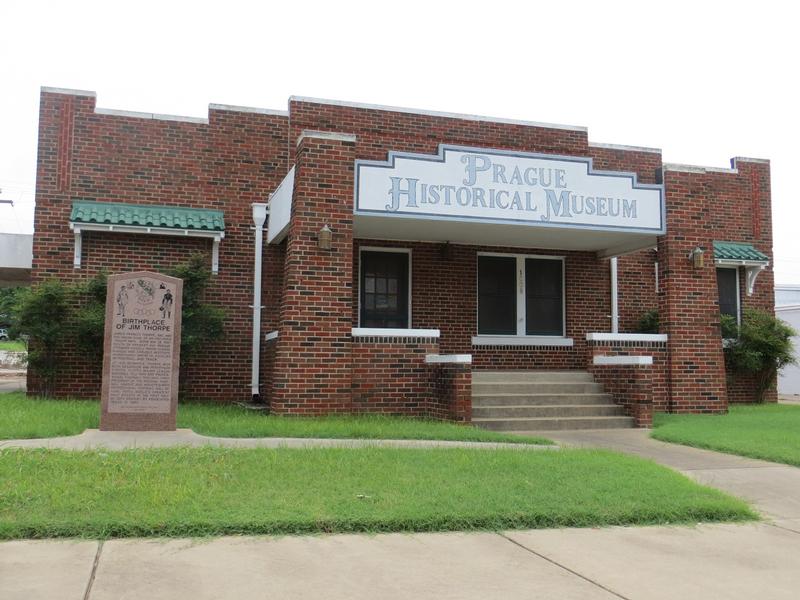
(42,313)
(648,322)
(761,346)
(90,315)
(201,323)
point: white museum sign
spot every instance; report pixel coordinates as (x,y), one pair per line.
(498,186)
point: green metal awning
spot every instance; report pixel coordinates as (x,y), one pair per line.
(146,215)
(741,254)
(150,219)
(738,251)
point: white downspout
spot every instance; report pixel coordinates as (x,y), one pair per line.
(614,298)
(259,217)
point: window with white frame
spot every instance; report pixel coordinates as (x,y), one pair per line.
(728,286)
(520,295)
(385,288)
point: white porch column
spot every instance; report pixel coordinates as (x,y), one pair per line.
(614,297)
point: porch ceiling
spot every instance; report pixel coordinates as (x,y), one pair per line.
(605,243)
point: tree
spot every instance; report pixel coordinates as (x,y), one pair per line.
(9,298)
(761,346)
(42,313)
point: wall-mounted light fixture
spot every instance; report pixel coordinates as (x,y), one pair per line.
(324,238)
(696,256)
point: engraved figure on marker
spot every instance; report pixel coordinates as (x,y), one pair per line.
(166,305)
(122,300)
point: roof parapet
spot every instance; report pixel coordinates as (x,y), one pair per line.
(433,113)
(146,115)
(625,147)
(67,91)
(249,109)
(696,168)
(738,159)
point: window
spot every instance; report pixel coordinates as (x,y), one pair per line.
(728,285)
(497,296)
(544,301)
(520,295)
(384,289)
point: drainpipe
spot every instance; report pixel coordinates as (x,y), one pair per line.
(614,298)
(259,217)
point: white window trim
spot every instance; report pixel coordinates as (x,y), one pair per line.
(622,360)
(362,249)
(522,340)
(738,291)
(627,337)
(392,332)
(521,316)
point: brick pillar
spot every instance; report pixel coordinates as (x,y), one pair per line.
(461,382)
(689,300)
(313,362)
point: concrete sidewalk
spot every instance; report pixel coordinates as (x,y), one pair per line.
(731,562)
(12,381)
(92,439)
(646,563)
(774,489)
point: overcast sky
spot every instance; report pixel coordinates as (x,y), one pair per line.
(704,81)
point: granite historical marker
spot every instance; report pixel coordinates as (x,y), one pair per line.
(141,352)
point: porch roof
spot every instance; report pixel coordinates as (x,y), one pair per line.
(605,243)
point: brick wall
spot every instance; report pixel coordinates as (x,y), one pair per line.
(452,392)
(704,205)
(659,377)
(379,131)
(636,288)
(235,159)
(632,387)
(390,375)
(267,364)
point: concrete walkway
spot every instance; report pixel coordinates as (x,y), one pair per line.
(729,562)
(773,489)
(12,381)
(120,440)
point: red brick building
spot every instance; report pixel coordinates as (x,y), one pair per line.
(398,252)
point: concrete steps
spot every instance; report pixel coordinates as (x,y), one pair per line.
(533,376)
(541,411)
(535,399)
(540,387)
(521,401)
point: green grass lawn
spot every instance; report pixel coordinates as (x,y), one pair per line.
(767,431)
(12,346)
(23,418)
(213,491)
